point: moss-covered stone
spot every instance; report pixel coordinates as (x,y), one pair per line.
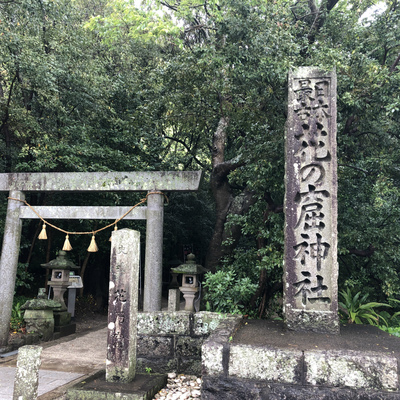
(261,363)
(212,358)
(157,346)
(158,323)
(352,369)
(187,346)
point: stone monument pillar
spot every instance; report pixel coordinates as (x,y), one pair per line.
(310,263)
(123,306)
(26,381)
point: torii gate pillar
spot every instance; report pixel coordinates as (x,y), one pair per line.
(9,263)
(154,245)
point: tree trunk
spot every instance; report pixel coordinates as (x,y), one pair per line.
(225,202)
(83,269)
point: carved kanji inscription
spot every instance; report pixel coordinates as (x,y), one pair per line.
(311,202)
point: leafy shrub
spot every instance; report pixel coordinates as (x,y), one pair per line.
(24,277)
(355,310)
(391,321)
(17,323)
(395,331)
(226,293)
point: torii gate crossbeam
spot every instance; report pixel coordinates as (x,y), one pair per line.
(19,183)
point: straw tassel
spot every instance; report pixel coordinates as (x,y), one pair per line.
(93,246)
(43,234)
(67,245)
(115,229)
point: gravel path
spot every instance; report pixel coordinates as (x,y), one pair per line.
(180,387)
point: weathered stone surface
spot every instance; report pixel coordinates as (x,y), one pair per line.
(174,299)
(207,322)
(158,330)
(310,263)
(159,323)
(219,388)
(96,387)
(215,349)
(265,364)
(41,304)
(27,373)
(123,306)
(9,263)
(40,322)
(212,357)
(154,244)
(156,346)
(312,321)
(61,318)
(322,372)
(101,181)
(187,346)
(352,369)
(157,365)
(82,212)
(61,262)
(189,366)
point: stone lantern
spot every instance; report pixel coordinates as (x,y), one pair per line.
(39,315)
(61,268)
(190,280)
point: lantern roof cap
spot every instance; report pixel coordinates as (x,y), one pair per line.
(60,262)
(41,304)
(189,267)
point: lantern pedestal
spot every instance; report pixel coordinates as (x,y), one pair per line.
(189,295)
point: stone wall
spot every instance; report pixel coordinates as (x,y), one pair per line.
(173,341)
(247,372)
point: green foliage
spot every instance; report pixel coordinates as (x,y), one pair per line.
(354,309)
(226,293)
(17,323)
(24,277)
(114,85)
(395,331)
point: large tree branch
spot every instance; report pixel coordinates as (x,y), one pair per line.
(395,64)
(170,6)
(202,165)
(331,4)
(219,140)
(348,125)
(320,16)
(355,168)
(272,206)
(368,252)
(223,169)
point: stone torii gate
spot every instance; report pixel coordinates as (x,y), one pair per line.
(19,183)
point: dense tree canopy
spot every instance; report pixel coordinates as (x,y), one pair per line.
(201,84)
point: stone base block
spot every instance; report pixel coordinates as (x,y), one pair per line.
(62,318)
(355,369)
(275,365)
(41,322)
(143,387)
(214,388)
(64,330)
(266,362)
(161,323)
(312,321)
